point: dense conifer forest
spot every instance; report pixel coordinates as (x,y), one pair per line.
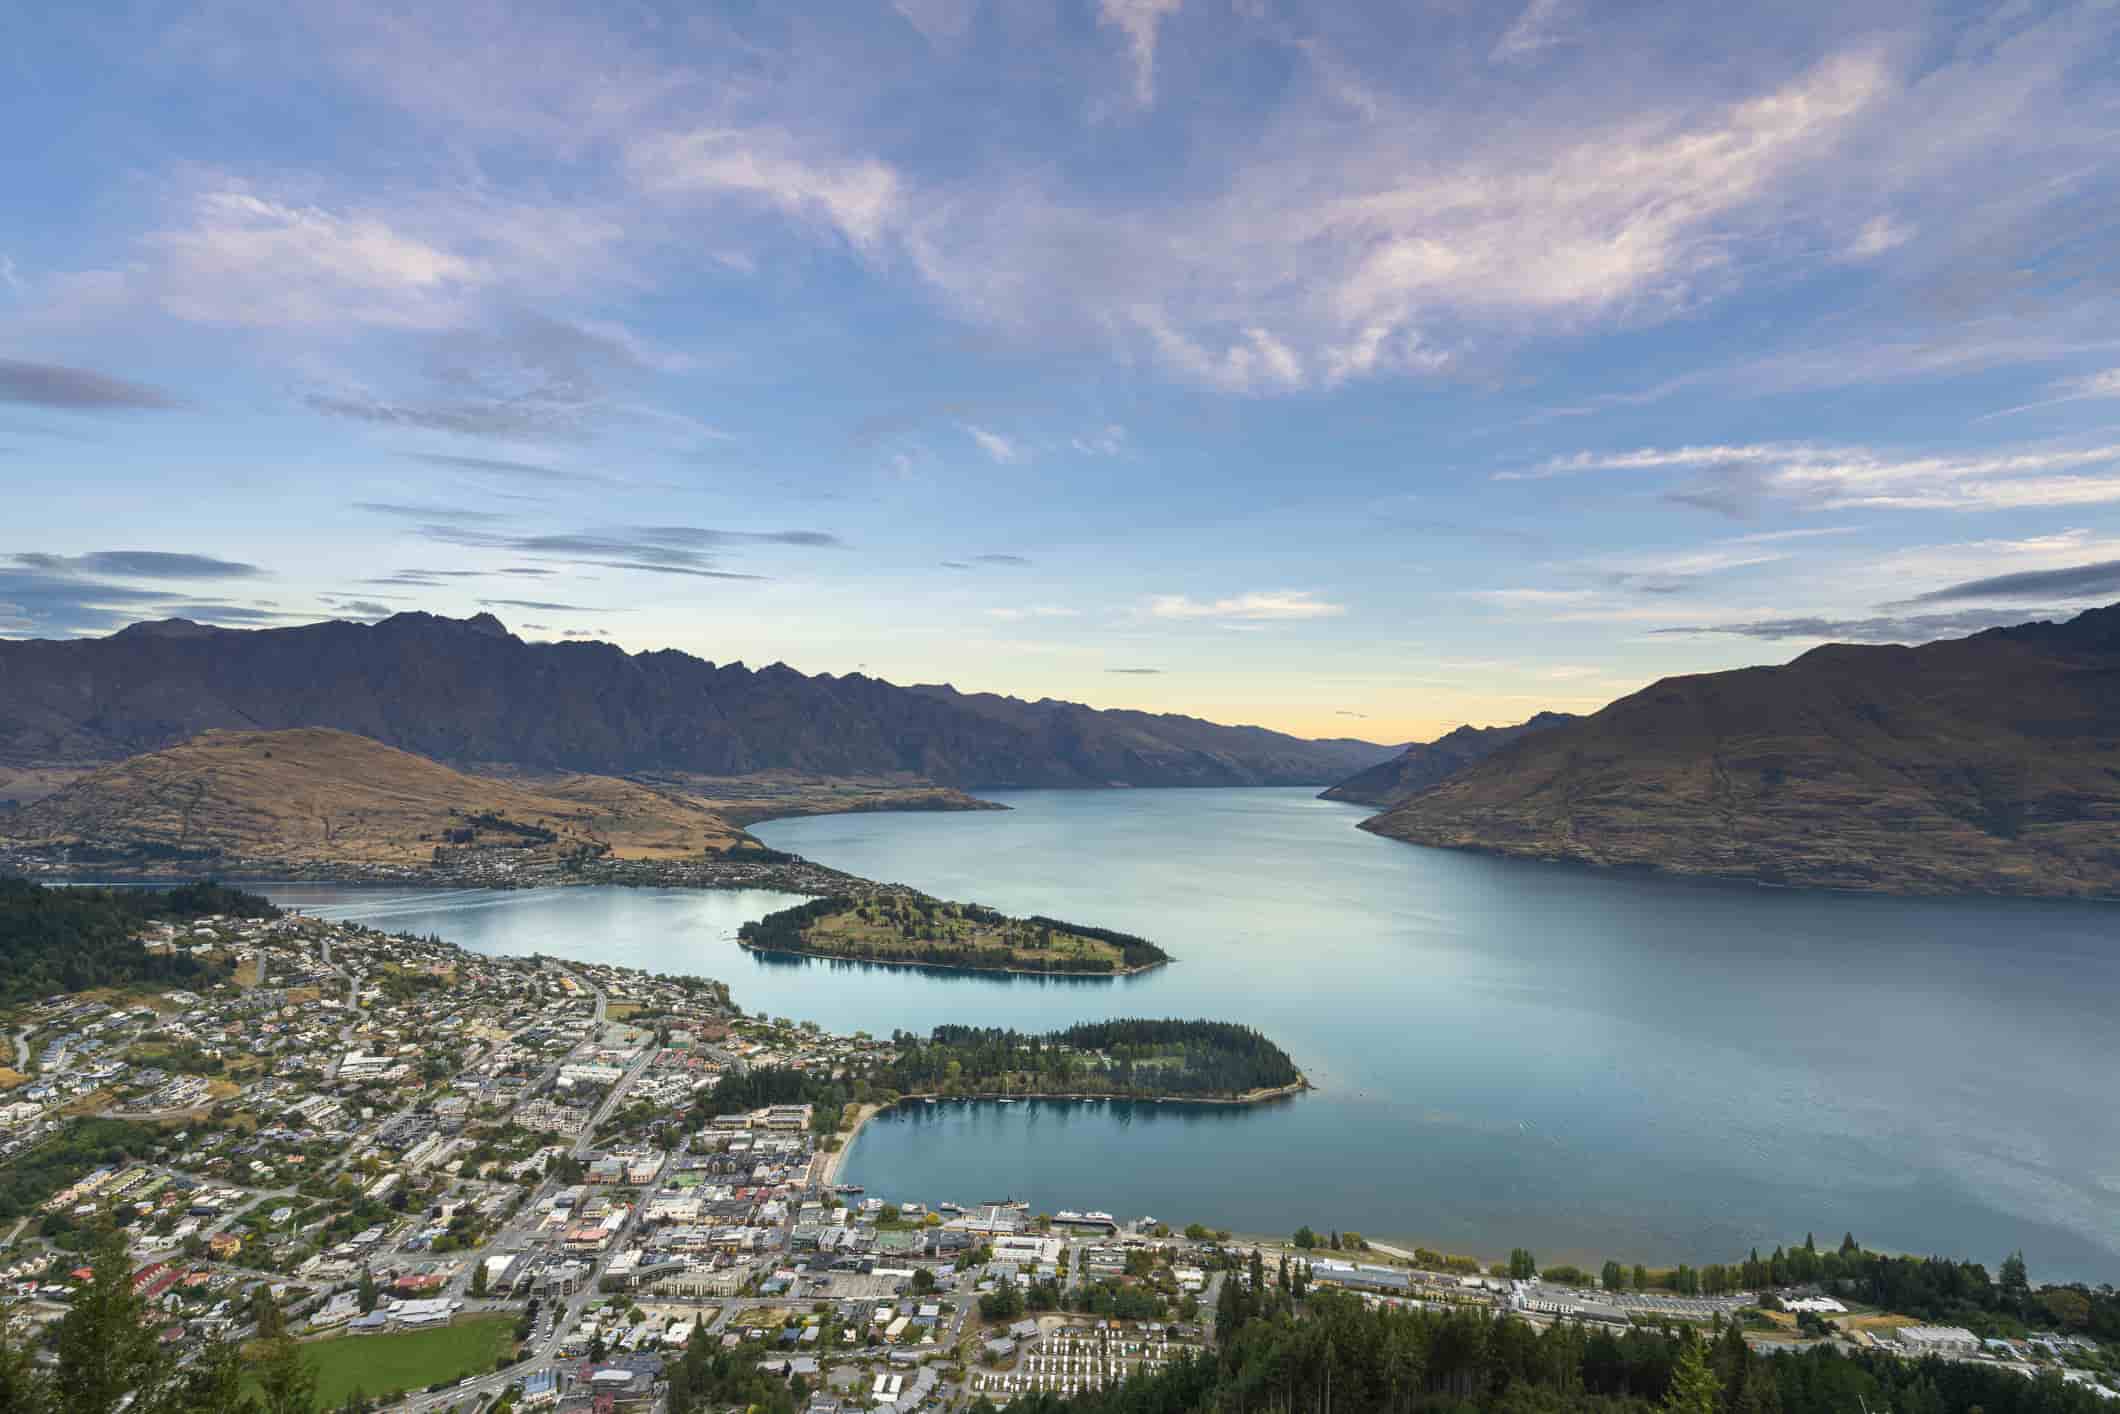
(1202,1059)
(65,940)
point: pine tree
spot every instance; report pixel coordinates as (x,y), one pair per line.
(369,1295)
(287,1380)
(106,1348)
(1229,1313)
(213,1383)
(1693,1387)
(2016,1280)
(23,1386)
(266,1313)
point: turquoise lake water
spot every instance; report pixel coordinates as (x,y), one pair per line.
(1508,1054)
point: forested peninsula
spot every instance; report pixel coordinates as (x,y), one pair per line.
(916,931)
(1134,1059)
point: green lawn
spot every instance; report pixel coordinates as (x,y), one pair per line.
(407,1360)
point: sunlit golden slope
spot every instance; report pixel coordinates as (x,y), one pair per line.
(318,794)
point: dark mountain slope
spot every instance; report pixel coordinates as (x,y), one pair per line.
(470,693)
(1426,762)
(1989,763)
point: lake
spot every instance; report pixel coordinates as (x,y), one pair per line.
(1508,1053)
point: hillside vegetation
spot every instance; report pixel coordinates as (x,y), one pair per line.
(1988,764)
(319,795)
(1137,1058)
(912,929)
(65,940)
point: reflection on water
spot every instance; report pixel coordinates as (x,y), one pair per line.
(931,970)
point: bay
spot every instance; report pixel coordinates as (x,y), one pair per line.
(1508,1053)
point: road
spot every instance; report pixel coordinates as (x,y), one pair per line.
(353,1008)
(563,1320)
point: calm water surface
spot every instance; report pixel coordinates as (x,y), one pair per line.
(1509,1053)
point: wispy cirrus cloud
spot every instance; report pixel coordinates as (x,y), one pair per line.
(1282,605)
(546,606)
(1138,21)
(551,421)
(223,613)
(424,578)
(1913,628)
(1034,611)
(523,378)
(243,259)
(858,198)
(997,447)
(406,511)
(1540,25)
(509,467)
(995,558)
(141,564)
(51,385)
(1740,479)
(680,550)
(2088,387)
(2097,580)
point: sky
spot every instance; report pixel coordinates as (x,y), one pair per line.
(1348,369)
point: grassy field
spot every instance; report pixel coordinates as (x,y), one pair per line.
(407,1360)
(878,929)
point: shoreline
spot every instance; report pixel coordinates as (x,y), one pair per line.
(833,1162)
(829,1176)
(1665,871)
(748,946)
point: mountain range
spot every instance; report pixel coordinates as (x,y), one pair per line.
(1981,764)
(469,693)
(1425,763)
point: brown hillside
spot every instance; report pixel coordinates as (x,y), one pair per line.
(1988,764)
(1425,763)
(321,795)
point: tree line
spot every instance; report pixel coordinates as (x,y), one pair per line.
(1342,1354)
(110,1356)
(1936,1289)
(925,935)
(1128,1057)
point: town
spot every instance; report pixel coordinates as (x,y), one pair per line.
(471,1183)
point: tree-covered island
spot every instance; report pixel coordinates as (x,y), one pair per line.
(914,931)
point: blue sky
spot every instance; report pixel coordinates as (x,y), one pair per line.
(1349,369)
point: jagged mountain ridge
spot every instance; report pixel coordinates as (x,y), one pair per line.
(1982,764)
(469,693)
(1424,763)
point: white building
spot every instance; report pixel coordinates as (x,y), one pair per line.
(1938,1340)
